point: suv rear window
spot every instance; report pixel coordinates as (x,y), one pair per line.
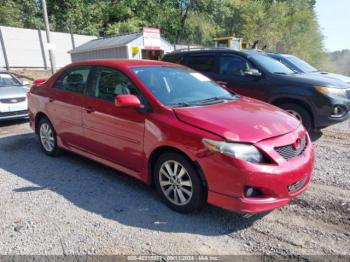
(203,63)
(177,59)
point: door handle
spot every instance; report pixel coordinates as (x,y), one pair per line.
(89,109)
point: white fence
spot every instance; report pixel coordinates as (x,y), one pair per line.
(26,48)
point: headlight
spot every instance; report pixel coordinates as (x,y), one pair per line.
(331,91)
(242,151)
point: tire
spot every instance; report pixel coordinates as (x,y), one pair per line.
(300,113)
(47,137)
(190,192)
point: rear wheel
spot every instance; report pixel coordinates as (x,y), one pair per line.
(47,137)
(178,183)
(300,113)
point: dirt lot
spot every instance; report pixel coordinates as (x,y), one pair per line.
(70,205)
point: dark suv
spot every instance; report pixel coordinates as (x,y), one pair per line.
(316,101)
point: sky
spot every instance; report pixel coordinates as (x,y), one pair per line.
(334,20)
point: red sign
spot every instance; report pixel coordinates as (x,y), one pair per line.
(151,38)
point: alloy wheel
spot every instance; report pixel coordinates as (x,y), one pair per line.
(47,137)
(175,183)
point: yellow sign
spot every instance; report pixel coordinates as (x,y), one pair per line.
(135,50)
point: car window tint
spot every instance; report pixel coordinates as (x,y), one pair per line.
(108,83)
(233,65)
(177,59)
(203,63)
(74,80)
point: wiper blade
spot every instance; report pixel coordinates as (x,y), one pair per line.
(213,99)
(182,104)
(204,101)
(280,73)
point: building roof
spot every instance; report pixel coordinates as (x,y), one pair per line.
(105,43)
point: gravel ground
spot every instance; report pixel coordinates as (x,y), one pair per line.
(71,205)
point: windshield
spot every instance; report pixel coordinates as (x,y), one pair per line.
(8,80)
(271,65)
(178,86)
(305,67)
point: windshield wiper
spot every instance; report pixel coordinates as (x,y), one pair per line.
(181,104)
(213,99)
(204,101)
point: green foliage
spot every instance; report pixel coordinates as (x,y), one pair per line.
(19,13)
(340,61)
(287,26)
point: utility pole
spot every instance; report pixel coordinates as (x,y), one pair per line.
(49,45)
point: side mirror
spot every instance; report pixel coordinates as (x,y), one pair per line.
(130,101)
(252,72)
(38,82)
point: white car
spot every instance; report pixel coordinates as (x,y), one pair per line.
(13,97)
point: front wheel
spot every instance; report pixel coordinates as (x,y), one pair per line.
(178,183)
(299,113)
(47,137)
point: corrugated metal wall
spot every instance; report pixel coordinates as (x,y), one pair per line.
(23,47)
(117,52)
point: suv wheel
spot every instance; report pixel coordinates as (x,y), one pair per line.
(300,113)
(47,137)
(178,183)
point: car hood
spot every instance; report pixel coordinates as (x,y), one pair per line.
(245,120)
(12,91)
(343,78)
(314,79)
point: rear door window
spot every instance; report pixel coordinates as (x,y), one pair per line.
(202,63)
(177,59)
(74,80)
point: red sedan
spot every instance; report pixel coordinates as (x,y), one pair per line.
(167,125)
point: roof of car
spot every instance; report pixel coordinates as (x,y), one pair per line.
(215,50)
(278,54)
(123,62)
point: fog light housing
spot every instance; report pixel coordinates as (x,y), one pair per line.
(252,192)
(338,111)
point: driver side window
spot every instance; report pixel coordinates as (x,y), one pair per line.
(233,66)
(108,83)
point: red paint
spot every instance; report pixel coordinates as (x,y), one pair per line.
(127,101)
(125,136)
(38,82)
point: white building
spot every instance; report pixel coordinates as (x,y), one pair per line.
(147,44)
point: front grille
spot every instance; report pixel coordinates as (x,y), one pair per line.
(348,93)
(13,113)
(13,100)
(289,151)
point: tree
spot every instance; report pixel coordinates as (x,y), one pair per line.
(287,26)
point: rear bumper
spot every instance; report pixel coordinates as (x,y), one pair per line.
(228,177)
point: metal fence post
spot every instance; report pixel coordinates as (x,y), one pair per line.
(72,37)
(42,49)
(4,50)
